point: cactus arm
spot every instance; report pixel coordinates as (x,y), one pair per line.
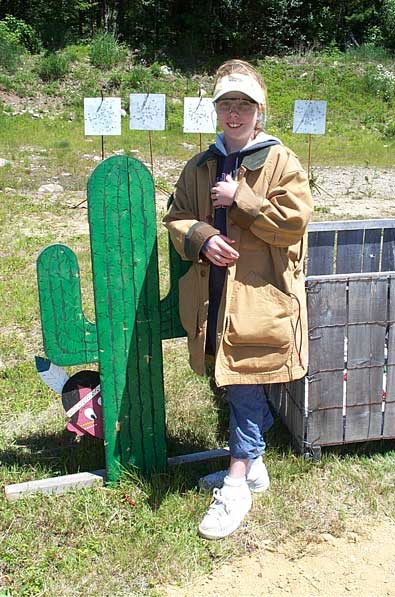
(126,288)
(69,338)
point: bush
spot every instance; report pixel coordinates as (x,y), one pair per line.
(389,24)
(76,52)
(23,33)
(381,81)
(53,66)
(10,50)
(106,52)
(369,52)
(139,79)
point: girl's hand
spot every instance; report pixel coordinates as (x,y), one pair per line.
(223,192)
(217,249)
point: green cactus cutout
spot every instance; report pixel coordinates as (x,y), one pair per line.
(130,318)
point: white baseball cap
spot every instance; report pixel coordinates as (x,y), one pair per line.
(242,83)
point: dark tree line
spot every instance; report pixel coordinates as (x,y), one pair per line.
(197,31)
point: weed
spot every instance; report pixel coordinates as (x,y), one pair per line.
(322,209)
(77,52)
(381,81)
(369,52)
(105,52)
(53,66)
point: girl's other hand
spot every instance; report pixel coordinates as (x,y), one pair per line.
(218,250)
(223,192)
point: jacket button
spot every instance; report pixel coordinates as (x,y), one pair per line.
(203,273)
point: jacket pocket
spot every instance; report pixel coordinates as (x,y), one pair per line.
(259,315)
(188,304)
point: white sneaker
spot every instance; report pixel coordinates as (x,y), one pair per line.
(257,477)
(226,513)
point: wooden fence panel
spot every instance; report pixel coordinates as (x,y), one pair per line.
(388,256)
(371,250)
(365,359)
(389,413)
(321,252)
(327,309)
(294,414)
(349,251)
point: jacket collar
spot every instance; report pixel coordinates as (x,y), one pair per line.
(251,161)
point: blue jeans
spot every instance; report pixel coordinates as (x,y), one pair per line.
(250,418)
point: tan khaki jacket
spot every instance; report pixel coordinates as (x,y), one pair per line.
(262,320)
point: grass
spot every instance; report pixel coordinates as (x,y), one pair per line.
(131,538)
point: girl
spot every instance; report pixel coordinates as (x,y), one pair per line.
(240,214)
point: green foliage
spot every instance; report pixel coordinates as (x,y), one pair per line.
(10,49)
(77,52)
(53,66)
(25,35)
(369,52)
(194,33)
(381,81)
(389,23)
(106,52)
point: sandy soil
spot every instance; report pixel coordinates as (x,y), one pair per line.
(351,192)
(359,564)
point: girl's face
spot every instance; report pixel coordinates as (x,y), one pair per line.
(237,116)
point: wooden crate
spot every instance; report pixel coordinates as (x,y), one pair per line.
(349,392)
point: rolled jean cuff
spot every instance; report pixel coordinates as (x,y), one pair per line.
(250,417)
(250,455)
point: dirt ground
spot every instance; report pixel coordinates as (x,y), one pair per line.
(359,564)
(350,192)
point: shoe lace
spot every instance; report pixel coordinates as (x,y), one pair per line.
(220,506)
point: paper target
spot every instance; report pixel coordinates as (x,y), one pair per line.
(147,111)
(309,117)
(102,116)
(199,115)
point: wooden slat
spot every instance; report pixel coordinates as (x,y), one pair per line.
(367,303)
(288,402)
(352,225)
(55,485)
(320,253)
(388,256)
(389,413)
(346,277)
(274,395)
(294,416)
(371,250)
(349,251)
(327,306)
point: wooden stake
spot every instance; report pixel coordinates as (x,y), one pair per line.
(150,150)
(102,137)
(200,141)
(309,160)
